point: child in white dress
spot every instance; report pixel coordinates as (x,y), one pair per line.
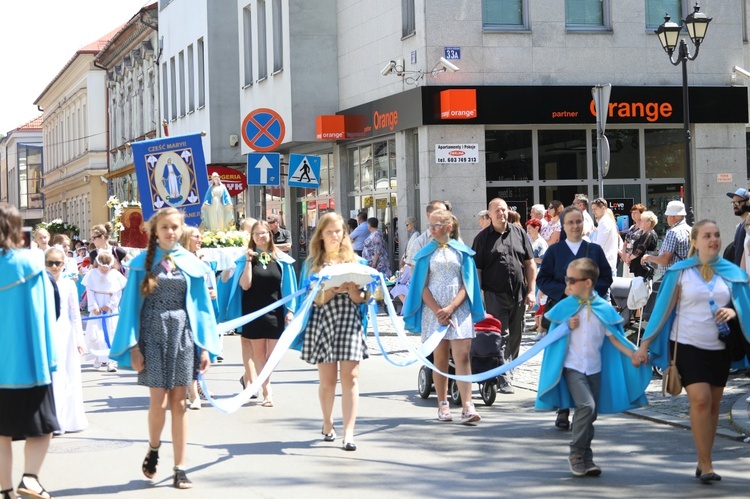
(69,343)
(104,285)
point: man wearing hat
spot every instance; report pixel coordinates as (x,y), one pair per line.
(739,205)
(677,241)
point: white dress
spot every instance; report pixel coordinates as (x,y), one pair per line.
(102,290)
(66,381)
(218,216)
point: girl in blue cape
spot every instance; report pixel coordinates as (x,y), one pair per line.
(444,291)
(581,369)
(27,357)
(262,276)
(333,337)
(696,296)
(166,331)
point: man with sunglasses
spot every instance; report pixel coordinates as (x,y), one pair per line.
(741,209)
(282,238)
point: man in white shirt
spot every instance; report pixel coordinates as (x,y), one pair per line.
(607,235)
(582,203)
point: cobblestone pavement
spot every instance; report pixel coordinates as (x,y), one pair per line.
(670,410)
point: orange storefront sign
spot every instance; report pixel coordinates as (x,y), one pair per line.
(458,104)
(330,127)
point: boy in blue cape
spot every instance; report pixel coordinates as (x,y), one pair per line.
(583,370)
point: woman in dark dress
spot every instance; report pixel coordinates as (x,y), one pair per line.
(647,241)
(265,275)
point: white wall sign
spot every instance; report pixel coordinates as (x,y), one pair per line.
(723,177)
(457,153)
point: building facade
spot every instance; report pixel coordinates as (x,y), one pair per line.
(75,141)
(131,62)
(21,166)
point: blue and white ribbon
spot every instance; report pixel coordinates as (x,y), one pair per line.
(105,331)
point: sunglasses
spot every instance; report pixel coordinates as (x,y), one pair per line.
(573,280)
(52,263)
(97,237)
(272,221)
(737,203)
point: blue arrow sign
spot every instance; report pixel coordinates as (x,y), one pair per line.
(304,171)
(263,168)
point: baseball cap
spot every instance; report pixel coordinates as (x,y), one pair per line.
(741,192)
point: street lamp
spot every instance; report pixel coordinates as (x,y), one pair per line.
(669,34)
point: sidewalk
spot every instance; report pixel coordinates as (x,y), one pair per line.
(734,421)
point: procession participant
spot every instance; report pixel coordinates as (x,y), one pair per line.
(446,292)
(100,237)
(166,331)
(334,337)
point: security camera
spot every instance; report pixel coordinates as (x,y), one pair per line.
(448,65)
(103,179)
(390,68)
(743,72)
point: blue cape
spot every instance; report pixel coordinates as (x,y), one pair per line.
(197,304)
(27,352)
(623,386)
(662,317)
(304,283)
(413,307)
(225,198)
(288,286)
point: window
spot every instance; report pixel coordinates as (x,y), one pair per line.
(278,37)
(182,82)
(665,153)
(562,154)
(165,93)
(624,155)
(173,87)
(657,9)
(262,49)
(502,15)
(408,23)
(587,14)
(191,78)
(201,74)
(247,28)
(509,155)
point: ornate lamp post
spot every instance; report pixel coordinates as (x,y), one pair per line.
(669,35)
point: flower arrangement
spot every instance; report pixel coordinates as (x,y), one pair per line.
(227,239)
(57,226)
(118,207)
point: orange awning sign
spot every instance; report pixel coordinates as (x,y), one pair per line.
(458,104)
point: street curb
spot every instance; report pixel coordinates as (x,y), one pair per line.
(738,415)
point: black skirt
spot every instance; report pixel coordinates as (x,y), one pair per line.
(28,412)
(696,365)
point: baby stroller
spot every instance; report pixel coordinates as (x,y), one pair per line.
(486,353)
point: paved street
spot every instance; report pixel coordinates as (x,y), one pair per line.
(403,450)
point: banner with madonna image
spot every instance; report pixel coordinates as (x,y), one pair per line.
(171,171)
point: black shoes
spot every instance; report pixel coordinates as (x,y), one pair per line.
(350,446)
(709,477)
(329,437)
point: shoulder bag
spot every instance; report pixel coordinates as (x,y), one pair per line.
(671,380)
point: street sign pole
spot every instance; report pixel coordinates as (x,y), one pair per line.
(601,94)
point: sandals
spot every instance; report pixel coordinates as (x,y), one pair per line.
(150,462)
(181,480)
(470,415)
(24,491)
(444,416)
(268,401)
(6,493)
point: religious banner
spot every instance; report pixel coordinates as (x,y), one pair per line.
(171,171)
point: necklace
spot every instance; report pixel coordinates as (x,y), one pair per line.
(265,258)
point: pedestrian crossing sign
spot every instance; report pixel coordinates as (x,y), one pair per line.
(305,171)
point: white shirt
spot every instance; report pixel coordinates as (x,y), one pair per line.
(588,223)
(694,319)
(573,246)
(585,344)
(416,245)
(608,238)
(746,249)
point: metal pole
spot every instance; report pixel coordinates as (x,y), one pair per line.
(686,126)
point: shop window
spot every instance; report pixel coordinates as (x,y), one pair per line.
(365,160)
(624,157)
(392,162)
(563,193)
(562,154)
(505,15)
(657,198)
(587,14)
(509,155)
(323,186)
(656,9)
(380,164)
(354,170)
(665,153)
(518,198)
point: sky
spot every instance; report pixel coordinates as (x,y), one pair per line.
(38,37)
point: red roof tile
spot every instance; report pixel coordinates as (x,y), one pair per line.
(34,125)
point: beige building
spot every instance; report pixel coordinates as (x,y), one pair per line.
(74,131)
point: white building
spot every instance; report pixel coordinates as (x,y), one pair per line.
(131,61)
(75,141)
(21,171)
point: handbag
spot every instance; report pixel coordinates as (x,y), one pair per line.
(671,382)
